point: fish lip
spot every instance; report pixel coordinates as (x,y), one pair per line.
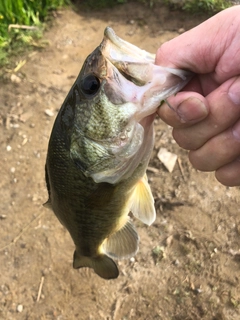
(111,35)
(132,52)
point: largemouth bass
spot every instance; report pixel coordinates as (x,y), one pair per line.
(99,149)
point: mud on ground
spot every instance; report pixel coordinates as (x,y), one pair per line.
(188,264)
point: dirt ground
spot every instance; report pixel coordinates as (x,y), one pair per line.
(188,264)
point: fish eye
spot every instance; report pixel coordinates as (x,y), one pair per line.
(90,84)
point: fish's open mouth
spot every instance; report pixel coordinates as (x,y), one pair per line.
(141,80)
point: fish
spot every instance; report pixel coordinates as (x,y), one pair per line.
(99,150)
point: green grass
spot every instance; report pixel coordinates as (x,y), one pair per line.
(199,6)
(209,6)
(23,13)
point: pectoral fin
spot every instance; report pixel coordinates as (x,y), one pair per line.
(104,266)
(123,243)
(142,202)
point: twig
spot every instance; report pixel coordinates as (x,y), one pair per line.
(152,169)
(21,232)
(21,26)
(181,168)
(117,307)
(40,289)
(20,64)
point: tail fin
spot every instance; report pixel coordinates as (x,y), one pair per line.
(104,266)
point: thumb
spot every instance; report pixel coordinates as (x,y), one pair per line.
(187,108)
(201,48)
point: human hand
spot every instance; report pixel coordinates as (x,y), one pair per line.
(207,117)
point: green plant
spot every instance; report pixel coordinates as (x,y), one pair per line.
(100,4)
(27,11)
(149,3)
(17,17)
(210,6)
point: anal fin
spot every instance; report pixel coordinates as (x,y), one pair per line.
(142,202)
(123,243)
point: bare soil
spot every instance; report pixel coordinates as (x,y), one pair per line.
(188,264)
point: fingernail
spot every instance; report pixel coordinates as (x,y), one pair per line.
(234,92)
(192,109)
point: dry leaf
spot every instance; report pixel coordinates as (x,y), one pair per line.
(167,158)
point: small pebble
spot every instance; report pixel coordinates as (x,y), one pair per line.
(25,140)
(49,112)
(34,198)
(176,262)
(15,79)
(9,148)
(181,30)
(198,290)
(20,308)
(14,125)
